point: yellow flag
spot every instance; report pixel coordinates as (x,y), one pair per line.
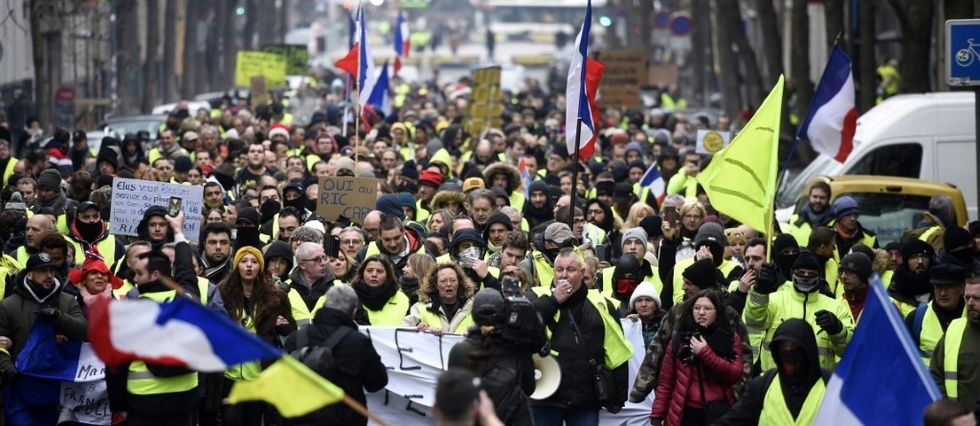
(741,179)
(290,386)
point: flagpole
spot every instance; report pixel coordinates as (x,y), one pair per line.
(357,116)
(362,410)
(571,203)
(346,104)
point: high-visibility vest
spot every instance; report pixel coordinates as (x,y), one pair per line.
(142,382)
(9,171)
(931,332)
(22,255)
(106,247)
(373,249)
(434,320)
(301,313)
(517,199)
(774,410)
(595,234)
(392,313)
(617,349)
(951,354)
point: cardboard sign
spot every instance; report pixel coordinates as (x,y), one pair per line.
(351,197)
(258,90)
(625,73)
(250,64)
(131,197)
(484,108)
(712,141)
(296,56)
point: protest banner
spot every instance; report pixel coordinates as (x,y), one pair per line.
(348,196)
(270,65)
(625,72)
(484,108)
(296,56)
(131,197)
(415,361)
(712,141)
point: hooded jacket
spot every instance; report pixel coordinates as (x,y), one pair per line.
(281,249)
(536,216)
(442,199)
(143,226)
(473,235)
(795,389)
(19,311)
(513,175)
(496,217)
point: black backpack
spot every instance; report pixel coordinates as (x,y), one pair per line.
(320,358)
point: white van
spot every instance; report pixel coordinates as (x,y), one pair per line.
(930,136)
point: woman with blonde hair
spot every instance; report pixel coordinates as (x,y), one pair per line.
(417,267)
(439,218)
(377,289)
(692,213)
(343,267)
(445,301)
(636,214)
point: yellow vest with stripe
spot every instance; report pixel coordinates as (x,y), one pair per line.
(373,250)
(245,370)
(301,313)
(9,171)
(617,349)
(142,382)
(923,237)
(106,247)
(595,234)
(931,332)
(774,410)
(951,354)
(517,199)
(607,283)
(421,213)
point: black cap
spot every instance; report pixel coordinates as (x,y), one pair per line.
(79,136)
(623,192)
(249,214)
(39,261)
(85,206)
(947,274)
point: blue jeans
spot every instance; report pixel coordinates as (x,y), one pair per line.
(554,416)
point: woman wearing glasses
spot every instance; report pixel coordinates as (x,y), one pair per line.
(702,363)
(377,289)
(445,302)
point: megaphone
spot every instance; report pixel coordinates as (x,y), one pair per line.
(547,377)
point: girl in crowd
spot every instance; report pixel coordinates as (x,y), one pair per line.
(377,289)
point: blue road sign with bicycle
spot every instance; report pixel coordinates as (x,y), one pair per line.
(963,52)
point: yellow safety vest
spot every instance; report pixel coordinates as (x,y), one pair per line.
(544,272)
(618,349)
(373,250)
(392,313)
(595,234)
(433,320)
(22,255)
(106,247)
(930,334)
(607,283)
(775,413)
(142,382)
(951,354)
(301,314)
(517,199)
(9,171)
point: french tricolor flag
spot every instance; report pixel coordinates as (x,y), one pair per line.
(180,333)
(360,63)
(583,83)
(832,118)
(526,177)
(380,98)
(402,42)
(652,179)
(881,379)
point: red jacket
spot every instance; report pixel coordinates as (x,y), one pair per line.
(679,384)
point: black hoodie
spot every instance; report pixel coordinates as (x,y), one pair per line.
(473,235)
(795,389)
(496,217)
(142,229)
(536,216)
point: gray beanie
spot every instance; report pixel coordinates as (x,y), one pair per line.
(635,233)
(711,233)
(16,203)
(49,179)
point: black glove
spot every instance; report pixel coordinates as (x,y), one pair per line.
(10,376)
(657,422)
(48,314)
(768,279)
(829,322)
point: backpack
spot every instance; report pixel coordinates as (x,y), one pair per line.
(920,315)
(320,358)
(504,389)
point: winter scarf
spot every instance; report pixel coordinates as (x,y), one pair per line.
(376,298)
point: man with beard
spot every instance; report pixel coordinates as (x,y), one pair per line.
(855,273)
(929,321)
(791,392)
(494,233)
(288,220)
(513,250)
(910,286)
(954,361)
(89,233)
(539,208)
(767,308)
(168,148)
(254,169)
(395,241)
(38,226)
(216,259)
(849,230)
(50,196)
(37,296)
(815,213)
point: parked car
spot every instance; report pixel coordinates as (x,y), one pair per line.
(134,123)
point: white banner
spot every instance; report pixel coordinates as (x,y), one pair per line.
(415,360)
(131,197)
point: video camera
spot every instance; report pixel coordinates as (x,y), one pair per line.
(521,324)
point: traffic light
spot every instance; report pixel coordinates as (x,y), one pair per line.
(240,10)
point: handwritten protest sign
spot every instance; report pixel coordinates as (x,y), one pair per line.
(270,65)
(348,196)
(625,73)
(131,197)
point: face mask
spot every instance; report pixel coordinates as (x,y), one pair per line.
(785,261)
(248,233)
(626,286)
(88,231)
(805,284)
(551,253)
(791,362)
(309,204)
(468,256)
(296,203)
